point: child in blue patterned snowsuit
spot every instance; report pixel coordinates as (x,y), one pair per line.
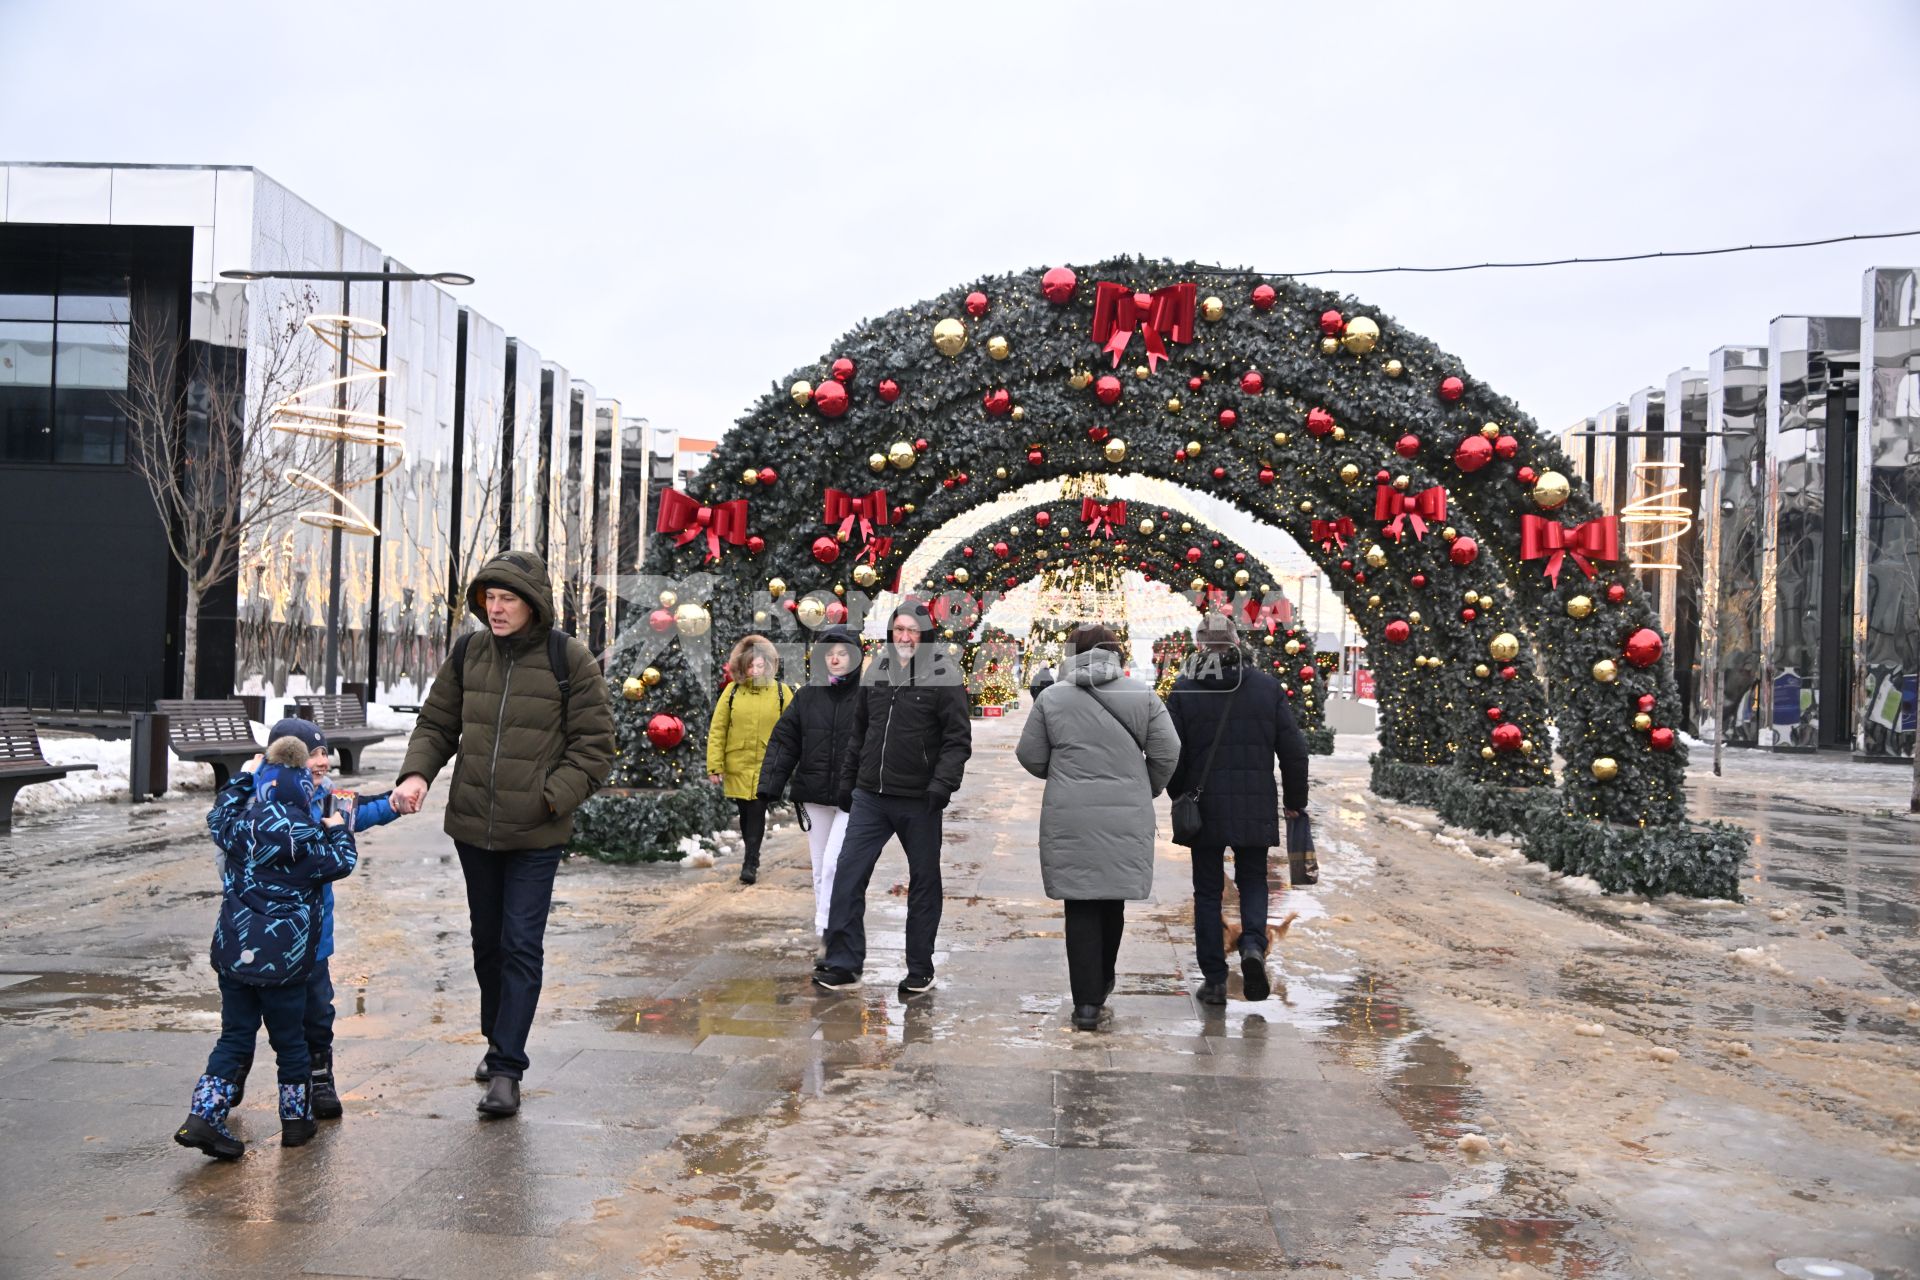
(278,858)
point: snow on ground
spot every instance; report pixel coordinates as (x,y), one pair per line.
(110,780)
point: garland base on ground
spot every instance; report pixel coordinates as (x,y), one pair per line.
(626,825)
(1699,860)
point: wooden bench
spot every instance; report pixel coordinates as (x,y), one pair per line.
(343,718)
(21,764)
(211,731)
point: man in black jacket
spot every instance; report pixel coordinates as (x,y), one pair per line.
(1238,805)
(911,738)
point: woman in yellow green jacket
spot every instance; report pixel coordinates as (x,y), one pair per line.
(743,720)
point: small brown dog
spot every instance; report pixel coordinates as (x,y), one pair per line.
(1275,932)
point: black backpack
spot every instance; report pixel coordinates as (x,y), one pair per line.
(556,659)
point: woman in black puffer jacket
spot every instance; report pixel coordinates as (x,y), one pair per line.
(808,748)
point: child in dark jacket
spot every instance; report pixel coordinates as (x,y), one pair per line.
(277,860)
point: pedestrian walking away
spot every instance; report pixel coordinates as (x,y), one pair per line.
(1041,679)
(525,709)
(1233,723)
(276,860)
(743,720)
(1106,747)
(912,735)
(806,756)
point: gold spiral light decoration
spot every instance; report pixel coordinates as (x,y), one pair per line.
(1658,518)
(325,410)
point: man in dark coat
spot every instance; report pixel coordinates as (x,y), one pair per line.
(912,735)
(1041,679)
(529,755)
(1238,804)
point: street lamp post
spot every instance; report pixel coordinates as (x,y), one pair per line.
(346,280)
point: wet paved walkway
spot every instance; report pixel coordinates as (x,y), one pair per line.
(696,1108)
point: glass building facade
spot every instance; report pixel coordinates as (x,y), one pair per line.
(1886,566)
(497,443)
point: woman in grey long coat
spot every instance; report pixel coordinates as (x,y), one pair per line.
(1106,747)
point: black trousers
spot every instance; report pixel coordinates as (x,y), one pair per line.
(1209,880)
(753,827)
(874,820)
(1094,926)
(243,1007)
(508,897)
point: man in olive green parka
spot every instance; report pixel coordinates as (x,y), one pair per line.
(523,767)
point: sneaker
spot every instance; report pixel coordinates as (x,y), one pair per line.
(913,985)
(1253,974)
(831,979)
(1214,993)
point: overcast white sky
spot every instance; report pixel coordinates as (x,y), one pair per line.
(684,202)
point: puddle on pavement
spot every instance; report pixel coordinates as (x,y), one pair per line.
(27,996)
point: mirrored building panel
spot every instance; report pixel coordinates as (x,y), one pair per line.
(562,533)
(525,486)
(1731,543)
(1886,566)
(1686,445)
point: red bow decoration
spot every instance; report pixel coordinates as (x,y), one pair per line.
(1332,533)
(682,515)
(875,548)
(843,509)
(1117,309)
(1396,508)
(1594,540)
(1103,517)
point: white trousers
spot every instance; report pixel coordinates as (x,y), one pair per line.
(828,829)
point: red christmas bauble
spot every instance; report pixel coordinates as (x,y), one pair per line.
(1194,554)
(1463,551)
(899,515)
(1616,594)
(1506,446)
(1382,476)
(843,370)
(1001,549)
(825,549)
(1251,383)
(836,611)
(1472,453)
(1058,284)
(1452,388)
(1096,434)
(1276,663)
(960,478)
(967,552)
(1398,631)
(665,731)
(1346,566)
(1179,455)
(1332,323)
(889,390)
(920,445)
(998,402)
(1507,737)
(1227,418)
(1644,647)
(1219,473)
(976,304)
(756,544)
(661,619)
(1661,739)
(1644,702)
(1319,422)
(1239,557)
(1508,673)
(830,398)
(1468,614)
(1035,457)
(1526,475)
(1306,675)
(768,475)
(1493,713)
(1043,518)
(1418,579)
(1263,297)
(1406,446)
(1107,390)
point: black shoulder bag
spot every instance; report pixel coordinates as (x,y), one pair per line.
(1186,806)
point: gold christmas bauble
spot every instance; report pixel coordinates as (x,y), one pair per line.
(1361,336)
(1526,746)
(1219,563)
(1329,345)
(961,575)
(1449,533)
(1186,526)
(1339,433)
(1394,368)
(801,391)
(1605,671)
(841,536)
(1281,437)
(1579,606)
(1491,431)
(812,612)
(1350,474)
(1198,584)
(908,507)
(1414,617)
(999,473)
(1267,639)
(998,347)
(1080,379)
(1473,597)
(949,337)
(692,619)
(651,677)
(1306,507)
(1643,722)
(1504,647)
(632,690)
(876,462)
(1193,448)
(1401,482)
(750,476)
(1115,449)
(1173,404)
(1605,768)
(1040,555)
(668,599)
(865,575)
(776,587)
(1211,308)
(900,453)
(1241,577)
(1146,528)
(1420,660)
(1482,670)
(1376,557)
(1486,753)
(1019,413)
(1373,602)
(839,588)
(1141,371)
(1292,647)
(1550,490)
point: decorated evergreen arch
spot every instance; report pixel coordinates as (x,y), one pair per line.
(1486,583)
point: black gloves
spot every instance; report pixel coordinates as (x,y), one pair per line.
(937,800)
(844,801)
